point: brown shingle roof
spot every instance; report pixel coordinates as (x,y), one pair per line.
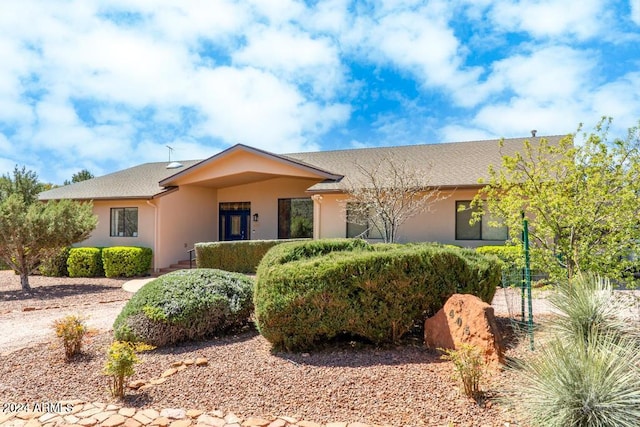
(456,164)
(138,182)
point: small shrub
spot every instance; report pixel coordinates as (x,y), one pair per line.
(469,366)
(121,358)
(588,304)
(71,331)
(55,265)
(186,305)
(589,374)
(593,382)
(126,261)
(85,262)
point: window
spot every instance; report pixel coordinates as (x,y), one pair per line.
(358,226)
(124,222)
(481,230)
(295,218)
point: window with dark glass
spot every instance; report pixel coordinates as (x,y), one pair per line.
(124,222)
(361,224)
(357,226)
(480,230)
(295,218)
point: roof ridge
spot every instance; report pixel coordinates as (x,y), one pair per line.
(422,144)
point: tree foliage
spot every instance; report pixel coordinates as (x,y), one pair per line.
(386,192)
(23,182)
(31,231)
(82,175)
(580,196)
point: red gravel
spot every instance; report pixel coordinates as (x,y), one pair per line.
(403,385)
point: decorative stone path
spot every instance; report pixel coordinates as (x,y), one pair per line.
(76,412)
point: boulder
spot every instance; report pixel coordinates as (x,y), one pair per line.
(465,319)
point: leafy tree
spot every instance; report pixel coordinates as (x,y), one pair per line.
(23,182)
(580,196)
(386,192)
(31,231)
(83,175)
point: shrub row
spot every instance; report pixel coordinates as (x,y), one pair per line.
(117,261)
(311,291)
(238,256)
(185,305)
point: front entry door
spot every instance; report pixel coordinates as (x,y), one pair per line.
(234,221)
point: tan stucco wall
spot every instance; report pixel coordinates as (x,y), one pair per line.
(100,236)
(185,217)
(264,201)
(438,225)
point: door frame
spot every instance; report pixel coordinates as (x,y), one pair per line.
(228,210)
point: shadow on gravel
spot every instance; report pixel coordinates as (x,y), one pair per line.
(247,333)
(53,292)
(140,400)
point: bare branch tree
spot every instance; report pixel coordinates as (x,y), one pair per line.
(385,192)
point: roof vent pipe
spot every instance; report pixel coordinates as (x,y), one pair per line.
(533,133)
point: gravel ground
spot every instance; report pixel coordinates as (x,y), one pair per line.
(29,317)
(403,385)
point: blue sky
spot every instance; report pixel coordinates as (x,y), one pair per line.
(104,85)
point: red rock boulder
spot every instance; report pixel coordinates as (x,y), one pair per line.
(465,319)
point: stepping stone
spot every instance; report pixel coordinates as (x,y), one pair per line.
(114,421)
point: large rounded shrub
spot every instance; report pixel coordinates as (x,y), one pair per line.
(186,305)
(312,291)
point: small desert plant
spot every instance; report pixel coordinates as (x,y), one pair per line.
(469,366)
(592,381)
(587,304)
(121,357)
(71,331)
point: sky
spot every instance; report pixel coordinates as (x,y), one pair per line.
(105,85)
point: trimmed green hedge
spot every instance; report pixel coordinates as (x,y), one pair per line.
(313,291)
(126,261)
(85,262)
(186,305)
(240,256)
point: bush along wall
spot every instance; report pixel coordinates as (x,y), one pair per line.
(238,256)
(311,292)
(186,305)
(126,261)
(56,264)
(85,262)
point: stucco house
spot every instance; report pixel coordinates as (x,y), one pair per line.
(248,193)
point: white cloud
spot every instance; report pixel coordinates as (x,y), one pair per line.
(519,116)
(545,75)
(328,17)
(635,11)
(294,55)
(422,42)
(253,107)
(552,18)
(619,99)
(278,11)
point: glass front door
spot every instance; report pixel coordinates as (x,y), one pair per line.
(234,221)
